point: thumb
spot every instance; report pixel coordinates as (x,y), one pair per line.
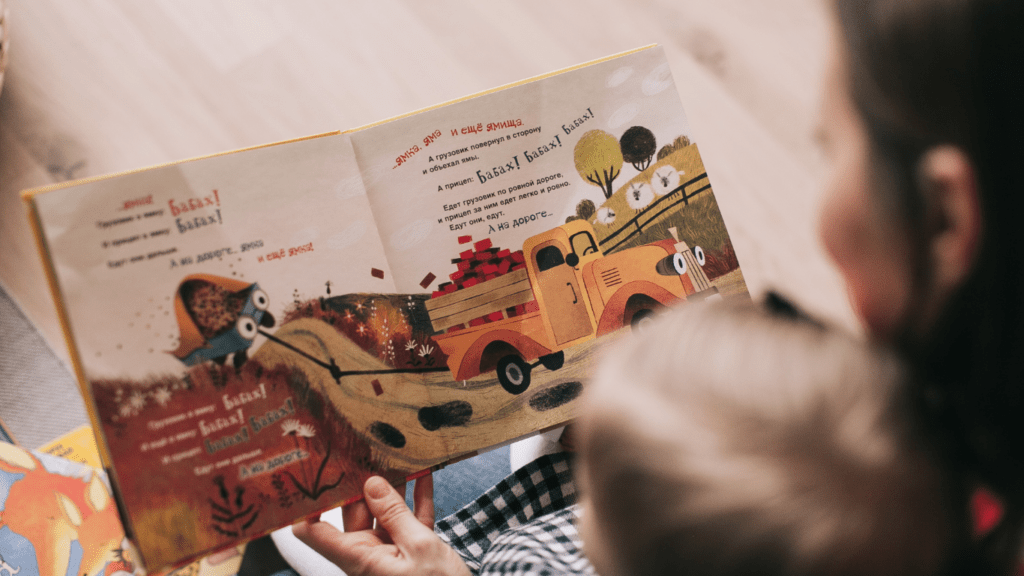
(391,512)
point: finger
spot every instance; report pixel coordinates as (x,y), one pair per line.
(351,551)
(569,438)
(389,508)
(423,500)
(356,516)
(401,489)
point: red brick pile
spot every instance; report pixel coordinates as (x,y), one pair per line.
(484,262)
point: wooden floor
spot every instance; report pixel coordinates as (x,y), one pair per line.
(101,86)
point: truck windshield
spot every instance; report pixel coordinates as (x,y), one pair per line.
(549,257)
(583,243)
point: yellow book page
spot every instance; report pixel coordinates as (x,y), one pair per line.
(79,445)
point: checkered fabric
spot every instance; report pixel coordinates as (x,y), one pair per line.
(546,546)
(526,524)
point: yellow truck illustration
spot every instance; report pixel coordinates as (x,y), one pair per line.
(567,293)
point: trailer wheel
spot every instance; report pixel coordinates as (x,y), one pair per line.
(513,374)
(553,361)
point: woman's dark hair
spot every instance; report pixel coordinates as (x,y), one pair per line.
(925,73)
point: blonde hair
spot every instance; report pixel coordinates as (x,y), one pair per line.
(728,440)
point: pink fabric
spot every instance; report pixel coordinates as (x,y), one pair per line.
(986,511)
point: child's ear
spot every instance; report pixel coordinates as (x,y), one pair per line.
(951,194)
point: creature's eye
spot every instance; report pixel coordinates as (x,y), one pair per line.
(698,252)
(260,299)
(246,327)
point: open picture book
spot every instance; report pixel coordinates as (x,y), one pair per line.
(257,332)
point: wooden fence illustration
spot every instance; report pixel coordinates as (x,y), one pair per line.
(658,207)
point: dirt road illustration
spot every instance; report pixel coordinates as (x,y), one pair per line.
(416,420)
(419,420)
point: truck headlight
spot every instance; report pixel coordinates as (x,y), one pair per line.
(672,265)
(698,253)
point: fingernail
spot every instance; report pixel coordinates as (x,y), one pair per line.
(377,487)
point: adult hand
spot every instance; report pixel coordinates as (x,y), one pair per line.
(402,543)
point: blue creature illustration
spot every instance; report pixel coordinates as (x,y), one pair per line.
(218,317)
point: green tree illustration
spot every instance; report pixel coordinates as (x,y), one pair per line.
(598,159)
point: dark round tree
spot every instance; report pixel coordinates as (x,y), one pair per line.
(586,209)
(638,147)
(677,144)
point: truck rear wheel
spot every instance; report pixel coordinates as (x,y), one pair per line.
(513,374)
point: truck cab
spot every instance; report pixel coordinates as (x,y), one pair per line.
(555,260)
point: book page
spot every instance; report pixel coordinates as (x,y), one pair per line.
(197,299)
(59,518)
(502,165)
(486,201)
(78,445)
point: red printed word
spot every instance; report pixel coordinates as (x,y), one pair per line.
(491,126)
(300,249)
(282,253)
(431,137)
(273,255)
(471,129)
(191,204)
(129,204)
(406,156)
(504,124)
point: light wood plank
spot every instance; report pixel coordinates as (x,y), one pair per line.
(479,309)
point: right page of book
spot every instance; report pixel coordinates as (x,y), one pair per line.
(524,224)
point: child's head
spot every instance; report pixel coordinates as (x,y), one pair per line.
(728,440)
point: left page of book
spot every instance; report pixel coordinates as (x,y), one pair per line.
(193,295)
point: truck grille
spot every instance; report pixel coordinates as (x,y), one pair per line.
(611,277)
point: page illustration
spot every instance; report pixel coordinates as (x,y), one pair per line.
(543,216)
(201,301)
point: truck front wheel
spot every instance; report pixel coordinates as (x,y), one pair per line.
(641,320)
(513,374)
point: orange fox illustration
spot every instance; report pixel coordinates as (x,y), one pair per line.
(52,511)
